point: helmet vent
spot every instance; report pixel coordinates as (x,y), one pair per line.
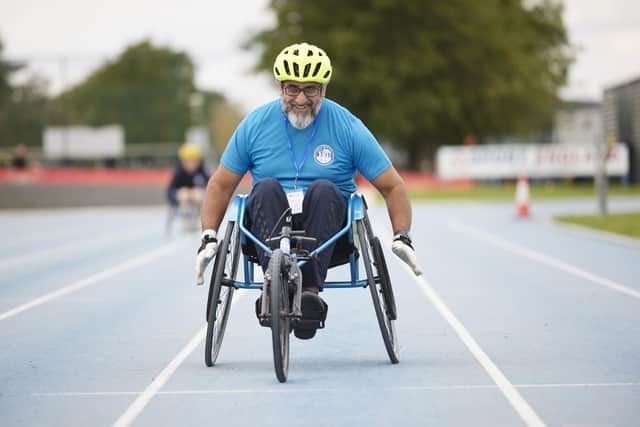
(302,62)
(316,70)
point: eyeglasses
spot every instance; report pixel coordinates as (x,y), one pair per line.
(310,91)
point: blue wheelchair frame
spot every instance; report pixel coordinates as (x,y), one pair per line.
(356,210)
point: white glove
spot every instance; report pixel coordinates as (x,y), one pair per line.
(403,249)
(206,251)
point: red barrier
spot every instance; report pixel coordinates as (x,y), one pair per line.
(161,177)
(86,176)
(422,181)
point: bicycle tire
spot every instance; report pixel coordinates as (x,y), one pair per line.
(220,296)
(384,279)
(386,324)
(280,320)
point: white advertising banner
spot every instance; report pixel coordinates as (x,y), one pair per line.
(83,142)
(533,160)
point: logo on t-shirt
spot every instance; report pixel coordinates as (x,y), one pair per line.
(323,155)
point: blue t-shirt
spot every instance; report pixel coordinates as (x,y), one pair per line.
(341,146)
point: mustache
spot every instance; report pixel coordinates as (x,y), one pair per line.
(304,104)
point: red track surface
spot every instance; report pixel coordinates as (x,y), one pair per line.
(420,180)
(82,176)
(161,177)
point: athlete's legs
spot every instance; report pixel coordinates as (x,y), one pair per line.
(265,206)
(196,195)
(182,196)
(323,214)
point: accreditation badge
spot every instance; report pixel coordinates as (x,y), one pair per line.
(295,199)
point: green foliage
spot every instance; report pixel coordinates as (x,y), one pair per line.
(424,73)
(22,120)
(22,107)
(627,224)
(6,69)
(146,89)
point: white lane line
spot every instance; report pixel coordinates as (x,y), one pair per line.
(541,258)
(509,391)
(143,399)
(75,246)
(280,390)
(522,408)
(91,280)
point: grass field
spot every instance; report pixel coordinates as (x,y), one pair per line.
(507,191)
(627,224)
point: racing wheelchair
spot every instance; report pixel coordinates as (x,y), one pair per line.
(282,283)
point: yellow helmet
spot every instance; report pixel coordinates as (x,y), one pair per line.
(302,62)
(189,152)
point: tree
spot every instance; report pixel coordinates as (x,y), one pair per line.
(147,89)
(423,73)
(6,69)
(22,106)
(225,117)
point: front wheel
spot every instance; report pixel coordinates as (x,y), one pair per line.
(280,316)
(380,287)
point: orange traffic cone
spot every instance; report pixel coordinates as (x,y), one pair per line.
(523,198)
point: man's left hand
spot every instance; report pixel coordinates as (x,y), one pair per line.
(403,248)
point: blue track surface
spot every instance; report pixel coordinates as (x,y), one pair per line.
(556,312)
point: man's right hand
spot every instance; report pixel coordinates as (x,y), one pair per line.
(206,252)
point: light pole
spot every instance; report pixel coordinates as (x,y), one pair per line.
(601,182)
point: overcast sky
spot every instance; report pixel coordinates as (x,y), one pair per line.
(63,40)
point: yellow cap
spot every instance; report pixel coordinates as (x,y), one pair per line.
(189,152)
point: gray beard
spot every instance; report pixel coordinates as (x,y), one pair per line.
(300,120)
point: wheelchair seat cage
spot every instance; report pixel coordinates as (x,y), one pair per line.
(356,210)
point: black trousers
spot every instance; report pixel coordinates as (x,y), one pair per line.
(324,212)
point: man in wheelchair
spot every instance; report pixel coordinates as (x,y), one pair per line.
(303,151)
(186,189)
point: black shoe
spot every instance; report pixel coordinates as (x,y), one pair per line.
(314,313)
(266,322)
(258,306)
